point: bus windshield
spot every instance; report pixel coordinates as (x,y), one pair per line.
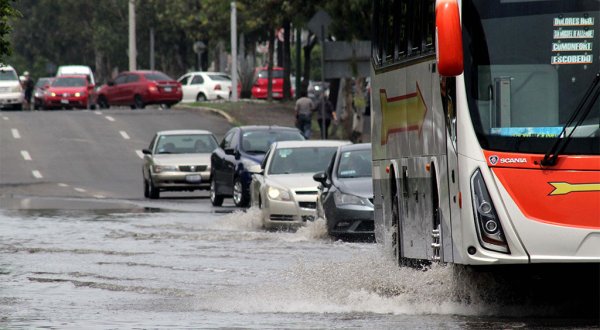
(528,65)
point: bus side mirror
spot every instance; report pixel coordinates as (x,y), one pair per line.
(449,38)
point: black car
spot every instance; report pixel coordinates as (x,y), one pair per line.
(345,198)
(239,155)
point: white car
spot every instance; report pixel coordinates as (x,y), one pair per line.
(11,91)
(284,190)
(68,70)
(205,86)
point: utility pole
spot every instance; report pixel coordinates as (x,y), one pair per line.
(132,49)
(234,73)
(152,49)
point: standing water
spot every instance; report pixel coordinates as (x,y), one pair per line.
(82,269)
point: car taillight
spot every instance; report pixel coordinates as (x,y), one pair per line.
(152,88)
(217,87)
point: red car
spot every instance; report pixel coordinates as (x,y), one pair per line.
(140,88)
(69,92)
(261,85)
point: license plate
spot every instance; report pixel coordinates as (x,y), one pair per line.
(193,178)
(63,101)
(168,89)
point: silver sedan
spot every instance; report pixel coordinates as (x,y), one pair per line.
(284,190)
(178,160)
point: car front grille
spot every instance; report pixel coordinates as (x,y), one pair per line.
(192,168)
(282,217)
(306,192)
(308,205)
(366,225)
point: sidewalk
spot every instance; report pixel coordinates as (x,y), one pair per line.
(252,112)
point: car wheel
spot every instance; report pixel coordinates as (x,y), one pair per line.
(138,103)
(153,191)
(103,102)
(146,189)
(215,198)
(201,98)
(240,197)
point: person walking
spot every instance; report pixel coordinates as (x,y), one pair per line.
(304,109)
(28,86)
(324,116)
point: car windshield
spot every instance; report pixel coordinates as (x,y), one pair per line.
(301,160)
(156,76)
(69,82)
(219,77)
(185,144)
(8,75)
(355,164)
(42,82)
(259,141)
(528,64)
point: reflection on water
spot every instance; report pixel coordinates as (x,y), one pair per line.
(164,269)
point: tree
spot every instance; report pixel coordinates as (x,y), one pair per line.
(7,12)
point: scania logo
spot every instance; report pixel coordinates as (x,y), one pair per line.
(493,159)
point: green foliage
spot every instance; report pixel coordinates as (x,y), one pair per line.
(7,12)
(95,33)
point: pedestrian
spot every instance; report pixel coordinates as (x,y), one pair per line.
(28,86)
(304,110)
(324,116)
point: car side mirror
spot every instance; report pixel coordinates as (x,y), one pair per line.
(449,38)
(146,152)
(110,83)
(91,87)
(229,151)
(320,177)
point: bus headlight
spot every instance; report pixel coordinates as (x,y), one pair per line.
(489,230)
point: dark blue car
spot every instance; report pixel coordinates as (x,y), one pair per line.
(239,155)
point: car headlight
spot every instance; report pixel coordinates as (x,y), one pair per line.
(78,94)
(278,194)
(251,166)
(52,94)
(16,89)
(346,199)
(164,168)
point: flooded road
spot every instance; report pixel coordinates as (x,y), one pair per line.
(144,269)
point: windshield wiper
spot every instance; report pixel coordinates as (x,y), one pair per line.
(584,108)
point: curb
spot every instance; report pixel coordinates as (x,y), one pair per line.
(225,115)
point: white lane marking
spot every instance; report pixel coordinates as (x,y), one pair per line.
(63,185)
(36,174)
(81,190)
(109,118)
(15,133)
(5,118)
(25,155)
(140,154)
(97,112)
(99,196)
(124,135)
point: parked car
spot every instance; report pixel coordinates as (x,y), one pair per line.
(284,190)
(261,83)
(11,91)
(69,92)
(203,86)
(77,70)
(345,198)
(178,160)
(238,156)
(38,91)
(140,88)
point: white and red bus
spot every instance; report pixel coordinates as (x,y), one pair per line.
(486,130)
